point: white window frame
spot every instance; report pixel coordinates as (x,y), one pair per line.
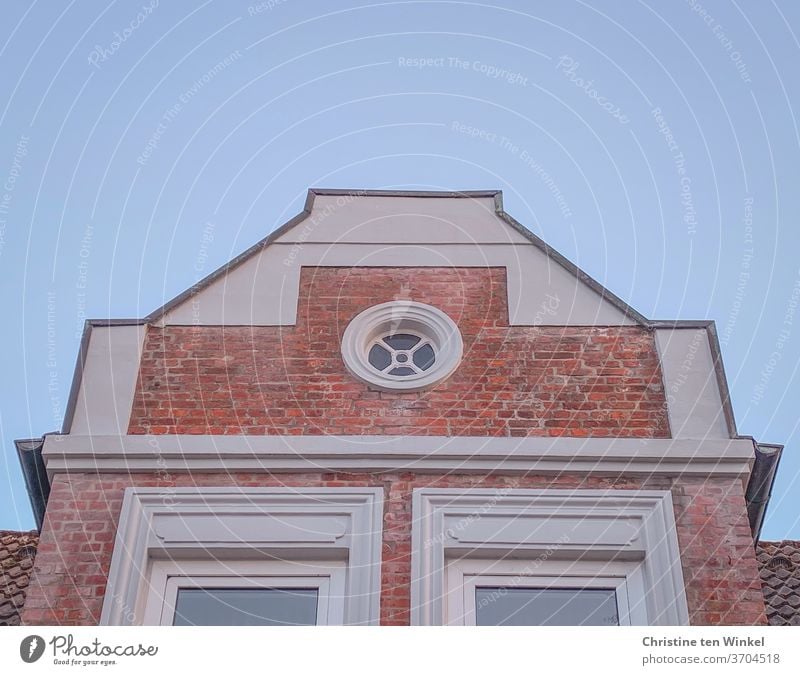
(554,529)
(463,577)
(402,316)
(168,577)
(262,526)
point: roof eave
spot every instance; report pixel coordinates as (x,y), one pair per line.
(759,487)
(37,484)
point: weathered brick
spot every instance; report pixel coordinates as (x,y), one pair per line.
(579,381)
(513,381)
(717,556)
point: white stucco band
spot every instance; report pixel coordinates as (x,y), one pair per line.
(397,232)
(292,524)
(264,291)
(108,380)
(431,454)
(691,384)
(359,218)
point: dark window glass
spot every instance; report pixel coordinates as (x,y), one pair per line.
(379,357)
(401,341)
(500,606)
(401,371)
(396,349)
(424,357)
(246,607)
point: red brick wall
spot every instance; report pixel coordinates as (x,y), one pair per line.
(720,568)
(74,555)
(513,381)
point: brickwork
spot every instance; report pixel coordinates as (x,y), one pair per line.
(74,555)
(513,381)
(720,570)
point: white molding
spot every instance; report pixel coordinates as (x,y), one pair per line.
(691,383)
(107,382)
(606,525)
(239,523)
(264,289)
(397,317)
(467,454)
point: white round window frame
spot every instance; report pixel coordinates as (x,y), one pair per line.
(397,317)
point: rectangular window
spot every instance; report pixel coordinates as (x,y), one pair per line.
(515,606)
(535,593)
(246,607)
(246,556)
(245,593)
(554,557)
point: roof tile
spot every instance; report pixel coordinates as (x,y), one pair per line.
(780,580)
(16,563)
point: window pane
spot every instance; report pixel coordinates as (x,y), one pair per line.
(246,607)
(401,341)
(379,357)
(500,606)
(424,357)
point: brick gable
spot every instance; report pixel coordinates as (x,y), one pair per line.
(513,381)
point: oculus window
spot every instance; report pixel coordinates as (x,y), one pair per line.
(402,346)
(402,354)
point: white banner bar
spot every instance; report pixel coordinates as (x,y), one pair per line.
(332,650)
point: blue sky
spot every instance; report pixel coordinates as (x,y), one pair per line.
(654,144)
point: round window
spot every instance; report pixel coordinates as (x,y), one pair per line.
(402,345)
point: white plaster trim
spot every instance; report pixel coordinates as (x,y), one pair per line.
(387,219)
(691,384)
(108,380)
(429,322)
(287,523)
(397,228)
(569,525)
(264,290)
(467,454)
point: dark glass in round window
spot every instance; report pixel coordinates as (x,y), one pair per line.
(424,357)
(380,357)
(401,341)
(401,354)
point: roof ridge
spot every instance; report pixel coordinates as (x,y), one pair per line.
(355,192)
(779,541)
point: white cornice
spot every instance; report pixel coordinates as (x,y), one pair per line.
(468,454)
